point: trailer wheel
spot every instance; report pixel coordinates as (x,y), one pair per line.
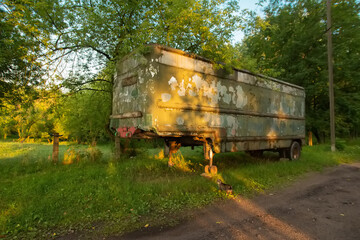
(294,151)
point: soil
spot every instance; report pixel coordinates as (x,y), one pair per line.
(319,206)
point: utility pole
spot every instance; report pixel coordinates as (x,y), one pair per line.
(331,77)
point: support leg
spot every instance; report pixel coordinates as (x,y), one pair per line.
(206,147)
(209,169)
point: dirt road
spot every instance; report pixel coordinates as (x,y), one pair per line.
(320,206)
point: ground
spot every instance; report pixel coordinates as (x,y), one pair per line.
(319,206)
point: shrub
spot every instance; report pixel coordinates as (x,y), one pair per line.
(340,145)
(72,155)
(94,154)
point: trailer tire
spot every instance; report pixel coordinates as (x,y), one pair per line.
(294,151)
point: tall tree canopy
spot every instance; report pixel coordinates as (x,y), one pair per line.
(290,43)
(102,31)
(86,37)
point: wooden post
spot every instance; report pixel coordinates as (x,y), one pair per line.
(55,154)
(117,147)
(331,78)
(310,138)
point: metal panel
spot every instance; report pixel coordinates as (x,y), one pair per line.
(184,95)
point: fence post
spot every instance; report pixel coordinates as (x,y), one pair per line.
(55,154)
(117,147)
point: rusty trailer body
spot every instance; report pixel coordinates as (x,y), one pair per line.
(182,98)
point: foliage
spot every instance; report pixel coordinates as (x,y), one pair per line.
(84,116)
(340,145)
(23,41)
(106,197)
(46,36)
(76,155)
(31,114)
(112,29)
(290,43)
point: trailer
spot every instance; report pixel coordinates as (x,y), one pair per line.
(185,99)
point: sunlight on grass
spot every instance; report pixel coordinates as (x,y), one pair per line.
(11,150)
(38,198)
(180,163)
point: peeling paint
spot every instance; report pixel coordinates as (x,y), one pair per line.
(223,93)
(153,71)
(180,121)
(173,83)
(194,96)
(232,125)
(165,97)
(241,97)
(182,89)
(140,76)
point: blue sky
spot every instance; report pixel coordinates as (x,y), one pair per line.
(246,4)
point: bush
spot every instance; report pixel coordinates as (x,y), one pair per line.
(94,154)
(72,155)
(340,145)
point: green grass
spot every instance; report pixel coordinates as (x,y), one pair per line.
(42,200)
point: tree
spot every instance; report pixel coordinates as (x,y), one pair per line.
(101,32)
(290,43)
(31,115)
(24,37)
(112,29)
(43,36)
(84,115)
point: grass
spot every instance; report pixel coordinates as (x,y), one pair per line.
(42,200)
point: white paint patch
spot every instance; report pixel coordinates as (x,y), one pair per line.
(241,97)
(173,83)
(140,74)
(302,109)
(231,121)
(192,93)
(182,89)
(223,93)
(212,120)
(196,86)
(207,117)
(152,70)
(150,85)
(180,121)
(233,94)
(165,97)
(198,81)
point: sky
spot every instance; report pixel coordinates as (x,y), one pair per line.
(250,5)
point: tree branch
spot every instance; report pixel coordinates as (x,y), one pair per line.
(101,52)
(92,89)
(90,81)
